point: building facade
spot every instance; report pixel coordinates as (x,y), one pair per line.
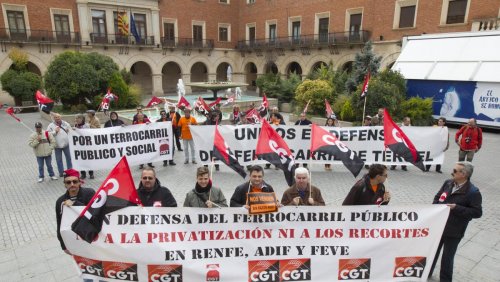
(196,40)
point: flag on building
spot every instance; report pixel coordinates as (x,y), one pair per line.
(399,143)
(117,192)
(224,153)
(123,27)
(45,103)
(365,85)
(154,101)
(133,29)
(325,142)
(11,112)
(272,148)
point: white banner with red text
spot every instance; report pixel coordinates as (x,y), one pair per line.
(367,142)
(385,243)
(102,148)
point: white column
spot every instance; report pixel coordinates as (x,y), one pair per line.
(157,85)
(155,26)
(84,21)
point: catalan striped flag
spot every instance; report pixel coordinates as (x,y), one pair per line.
(123,26)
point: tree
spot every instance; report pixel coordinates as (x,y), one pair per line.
(18,81)
(364,62)
(275,87)
(315,91)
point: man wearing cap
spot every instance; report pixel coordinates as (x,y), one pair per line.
(367,121)
(43,143)
(151,193)
(302,193)
(75,196)
(187,138)
(60,129)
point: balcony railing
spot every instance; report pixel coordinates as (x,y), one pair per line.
(112,39)
(192,43)
(311,40)
(33,35)
(486,24)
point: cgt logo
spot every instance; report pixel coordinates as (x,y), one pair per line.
(120,271)
(409,267)
(165,273)
(164,147)
(89,266)
(354,269)
(213,272)
(279,270)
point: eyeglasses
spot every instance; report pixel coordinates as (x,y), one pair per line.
(147,178)
(384,175)
(69,182)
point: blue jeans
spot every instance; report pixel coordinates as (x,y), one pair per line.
(59,161)
(48,162)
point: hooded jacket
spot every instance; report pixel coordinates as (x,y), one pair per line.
(196,199)
(159,196)
(45,146)
(362,193)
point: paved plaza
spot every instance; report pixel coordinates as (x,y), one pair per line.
(30,251)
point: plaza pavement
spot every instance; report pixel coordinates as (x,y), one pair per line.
(29,250)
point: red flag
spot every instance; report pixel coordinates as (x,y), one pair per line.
(272,148)
(201,106)
(229,100)
(399,143)
(110,96)
(117,192)
(183,103)
(365,85)
(217,101)
(11,111)
(45,103)
(154,101)
(325,142)
(264,105)
(329,111)
(307,106)
(104,104)
(224,153)
(252,116)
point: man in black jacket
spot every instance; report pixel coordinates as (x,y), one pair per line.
(370,189)
(464,200)
(151,193)
(256,184)
(75,196)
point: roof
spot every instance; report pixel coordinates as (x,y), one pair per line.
(465,56)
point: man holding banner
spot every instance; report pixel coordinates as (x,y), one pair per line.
(256,184)
(302,192)
(370,189)
(151,193)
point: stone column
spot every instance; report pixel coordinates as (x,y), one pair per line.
(157,84)
(84,21)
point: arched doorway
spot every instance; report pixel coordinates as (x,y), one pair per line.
(318,65)
(142,76)
(222,72)
(251,76)
(347,67)
(199,73)
(171,73)
(389,66)
(294,67)
(271,67)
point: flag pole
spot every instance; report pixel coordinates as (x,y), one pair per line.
(364,108)
(27,126)
(211,173)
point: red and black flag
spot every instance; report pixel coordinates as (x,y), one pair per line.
(217,101)
(116,192)
(399,143)
(264,106)
(252,116)
(328,109)
(154,101)
(224,153)
(272,148)
(201,106)
(325,142)
(11,112)
(45,103)
(183,103)
(365,85)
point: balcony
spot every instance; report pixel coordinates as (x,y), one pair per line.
(187,43)
(46,36)
(489,24)
(306,41)
(114,39)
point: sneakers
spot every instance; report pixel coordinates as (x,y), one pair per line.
(439,171)
(91,176)
(171,163)
(54,178)
(40,180)
(186,162)
(194,162)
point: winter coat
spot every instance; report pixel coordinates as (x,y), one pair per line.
(44,147)
(82,199)
(159,196)
(292,192)
(62,138)
(472,138)
(468,202)
(239,197)
(195,199)
(362,193)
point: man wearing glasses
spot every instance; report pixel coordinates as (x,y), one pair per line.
(464,200)
(151,193)
(370,189)
(75,196)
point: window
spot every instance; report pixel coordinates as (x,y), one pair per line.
(198,35)
(272,33)
(407,16)
(355,24)
(223,34)
(251,35)
(250,1)
(224,1)
(456,11)
(99,26)
(296,31)
(169,31)
(61,24)
(121,35)
(17,27)
(140,25)
(323,24)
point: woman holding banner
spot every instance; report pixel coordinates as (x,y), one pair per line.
(331,122)
(204,195)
